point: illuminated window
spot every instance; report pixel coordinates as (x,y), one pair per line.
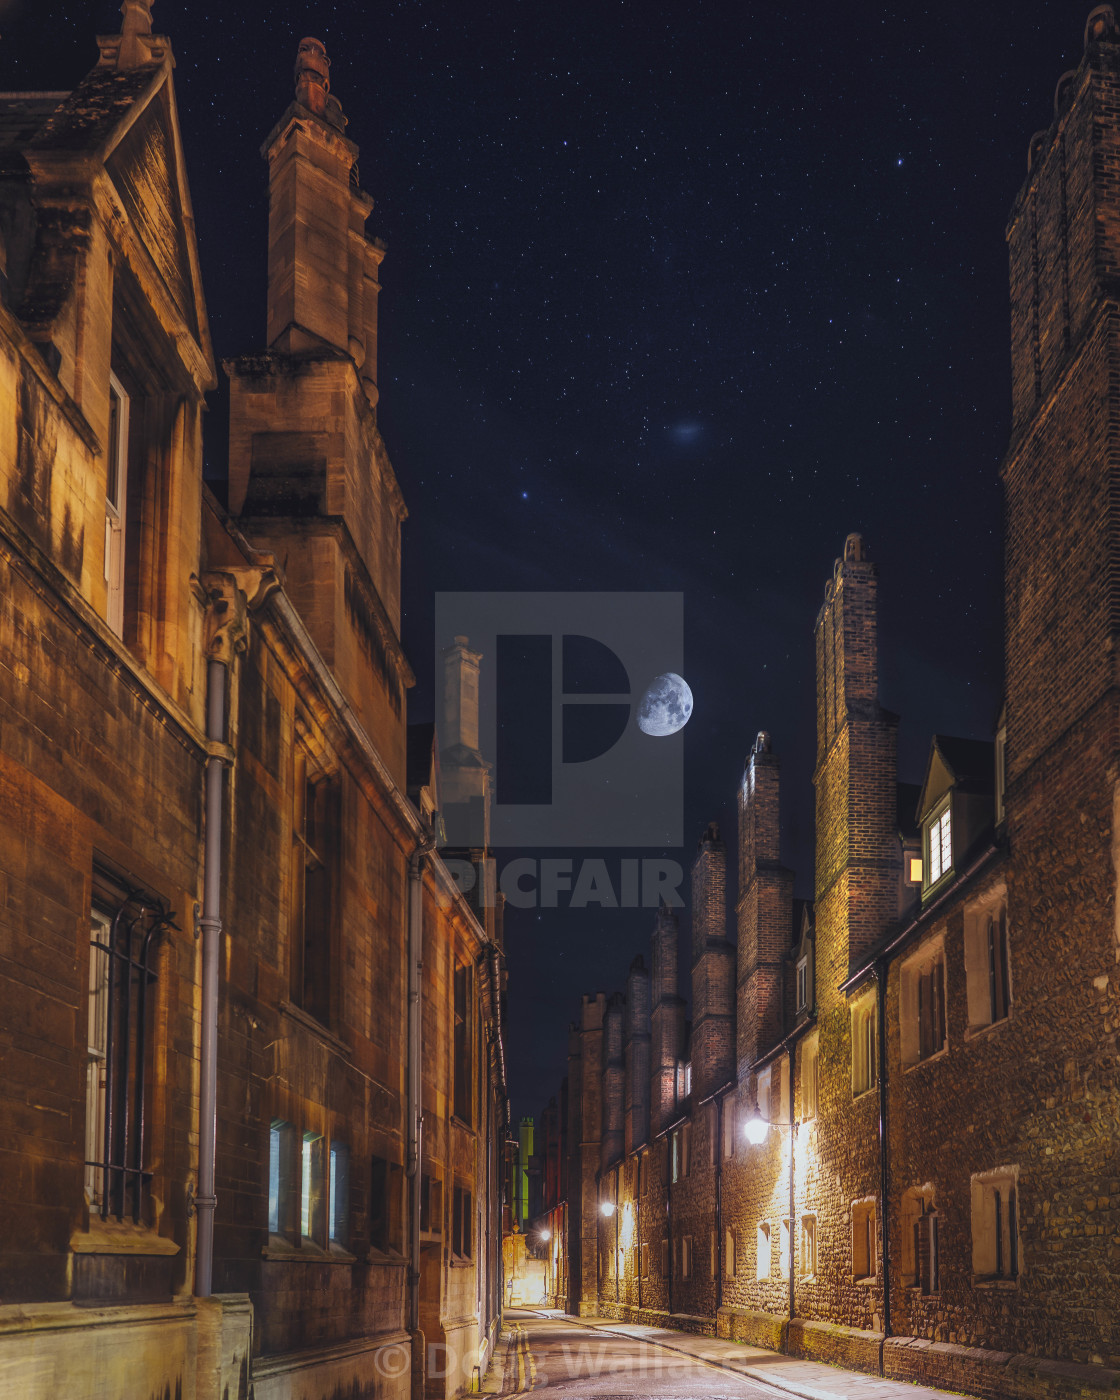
(808,1262)
(281,1135)
(987,962)
(312,1199)
(762,1250)
(864,1248)
(995,1225)
(803,984)
(684,1079)
(809,1080)
(915,863)
(922,1003)
(939,846)
(864,1047)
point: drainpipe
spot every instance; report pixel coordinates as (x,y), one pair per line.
(792,1221)
(884,1163)
(720,1265)
(211,925)
(415,1102)
(669,1217)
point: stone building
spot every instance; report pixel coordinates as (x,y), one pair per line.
(894,1146)
(253,1089)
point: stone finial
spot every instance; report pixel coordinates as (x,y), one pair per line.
(313,84)
(762,742)
(1101,24)
(855,551)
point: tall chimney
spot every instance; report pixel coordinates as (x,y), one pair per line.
(713,969)
(666,1021)
(637,1056)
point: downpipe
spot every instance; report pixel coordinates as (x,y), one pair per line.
(210,924)
(415,1101)
(884,1149)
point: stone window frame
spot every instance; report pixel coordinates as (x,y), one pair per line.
(997,1250)
(977,968)
(865,1043)
(282,1200)
(916,965)
(764,1245)
(644,1258)
(784,1248)
(686,1257)
(802,997)
(943,809)
(865,1240)
(116,504)
(918,1204)
(807,1257)
(729,1252)
(809,1064)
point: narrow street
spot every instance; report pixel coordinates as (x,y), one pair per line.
(579,1357)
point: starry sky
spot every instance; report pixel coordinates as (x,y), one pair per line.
(676,296)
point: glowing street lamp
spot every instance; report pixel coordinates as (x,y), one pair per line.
(546,1235)
(756,1128)
(607,1209)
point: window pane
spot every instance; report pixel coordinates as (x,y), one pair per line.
(274,1142)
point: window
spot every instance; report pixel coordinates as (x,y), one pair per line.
(125,931)
(311,1194)
(995,1225)
(803,984)
(431,1205)
(680,1146)
(762,1250)
(864,1246)
(987,962)
(865,1062)
(808,1245)
(684,1079)
(922,1005)
(809,1080)
(116,477)
(664,1258)
(461,1224)
(729,1254)
(730,1119)
(773,1092)
(686,1257)
(1001,772)
(920,1242)
(317,829)
(783,1252)
(338,1209)
(939,846)
(645,1261)
(463,1059)
(281,1136)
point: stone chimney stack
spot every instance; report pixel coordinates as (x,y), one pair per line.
(666,1021)
(614,1082)
(858,853)
(765,908)
(713,969)
(322,269)
(637,1056)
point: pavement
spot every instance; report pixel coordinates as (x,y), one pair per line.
(608,1360)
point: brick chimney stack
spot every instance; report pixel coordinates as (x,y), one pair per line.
(713,969)
(858,854)
(637,1056)
(586,1087)
(666,1020)
(614,1086)
(765,908)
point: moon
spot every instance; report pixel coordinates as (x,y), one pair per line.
(666,705)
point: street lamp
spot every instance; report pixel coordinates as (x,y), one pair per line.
(546,1235)
(756,1128)
(607,1208)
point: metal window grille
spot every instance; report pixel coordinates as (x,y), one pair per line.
(122,976)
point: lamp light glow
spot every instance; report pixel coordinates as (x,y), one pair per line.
(756,1129)
(546,1234)
(607,1209)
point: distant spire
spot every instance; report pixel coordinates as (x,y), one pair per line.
(135,28)
(313,84)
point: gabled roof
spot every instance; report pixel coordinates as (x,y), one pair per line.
(125,120)
(965,765)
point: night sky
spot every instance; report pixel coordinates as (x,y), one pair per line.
(676,296)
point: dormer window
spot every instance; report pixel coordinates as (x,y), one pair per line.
(802,984)
(939,845)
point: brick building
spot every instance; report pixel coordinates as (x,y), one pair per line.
(253,1088)
(891,1141)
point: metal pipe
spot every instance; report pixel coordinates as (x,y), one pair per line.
(884,1163)
(720,1262)
(415,1102)
(210,924)
(792,1223)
